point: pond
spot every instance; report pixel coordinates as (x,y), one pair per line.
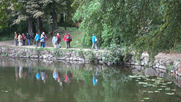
(39,81)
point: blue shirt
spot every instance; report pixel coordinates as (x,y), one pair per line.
(38,76)
(94,81)
(54,40)
(55,75)
(93,39)
(37,37)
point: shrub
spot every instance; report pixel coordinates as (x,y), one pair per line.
(115,54)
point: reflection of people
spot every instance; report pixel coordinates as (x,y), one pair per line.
(95,80)
(16,73)
(59,78)
(68,77)
(20,72)
(55,74)
(38,75)
(43,75)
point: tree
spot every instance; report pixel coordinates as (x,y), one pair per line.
(4,11)
(139,25)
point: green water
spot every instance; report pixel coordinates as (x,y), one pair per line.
(20,84)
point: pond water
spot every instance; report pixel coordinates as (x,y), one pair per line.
(62,82)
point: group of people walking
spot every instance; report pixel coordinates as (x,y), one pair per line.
(21,38)
(56,40)
(40,39)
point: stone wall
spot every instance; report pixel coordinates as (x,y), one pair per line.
(173,66)
(43,63)
(72,56)
(80,56)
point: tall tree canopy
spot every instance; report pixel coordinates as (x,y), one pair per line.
(139,25)
(35,16)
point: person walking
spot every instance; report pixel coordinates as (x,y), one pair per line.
(15,39)
(58,40)
(37,39)
(67,39)
(24,38)
(28,37)
(54,41)
(42,40)
(19,39)
(45,38)
(94,42)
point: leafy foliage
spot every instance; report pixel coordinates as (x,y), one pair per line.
(113,54)
(140,25)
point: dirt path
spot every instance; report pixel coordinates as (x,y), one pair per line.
(173,55)
(11,43)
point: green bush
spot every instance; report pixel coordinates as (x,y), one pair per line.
(115,54)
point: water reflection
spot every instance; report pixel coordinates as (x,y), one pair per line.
(68,77)
(59,78)
(55,74)
(43,75)
(16,73)
(95,80)
(20,73)
(76,85)
(38,75)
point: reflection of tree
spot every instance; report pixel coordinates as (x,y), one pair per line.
(113,87)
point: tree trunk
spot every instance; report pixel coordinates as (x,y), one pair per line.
(34,28)
(61,18)
(65,22)
(54,15)
(30,26)
(39,25)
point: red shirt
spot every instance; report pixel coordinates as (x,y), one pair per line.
(57,38)
(23,37)
(65,38)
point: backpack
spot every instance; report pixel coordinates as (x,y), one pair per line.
(23,37)
(46,37)
(68,38)
(59,38)
(95,39)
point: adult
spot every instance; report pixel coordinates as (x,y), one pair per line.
(58,40)
(67,39)
(28,37)
(45,37)
(15,39)
(37,39)
(94,42)
(19,39)
(54,40)
(42,40)
(24,38)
